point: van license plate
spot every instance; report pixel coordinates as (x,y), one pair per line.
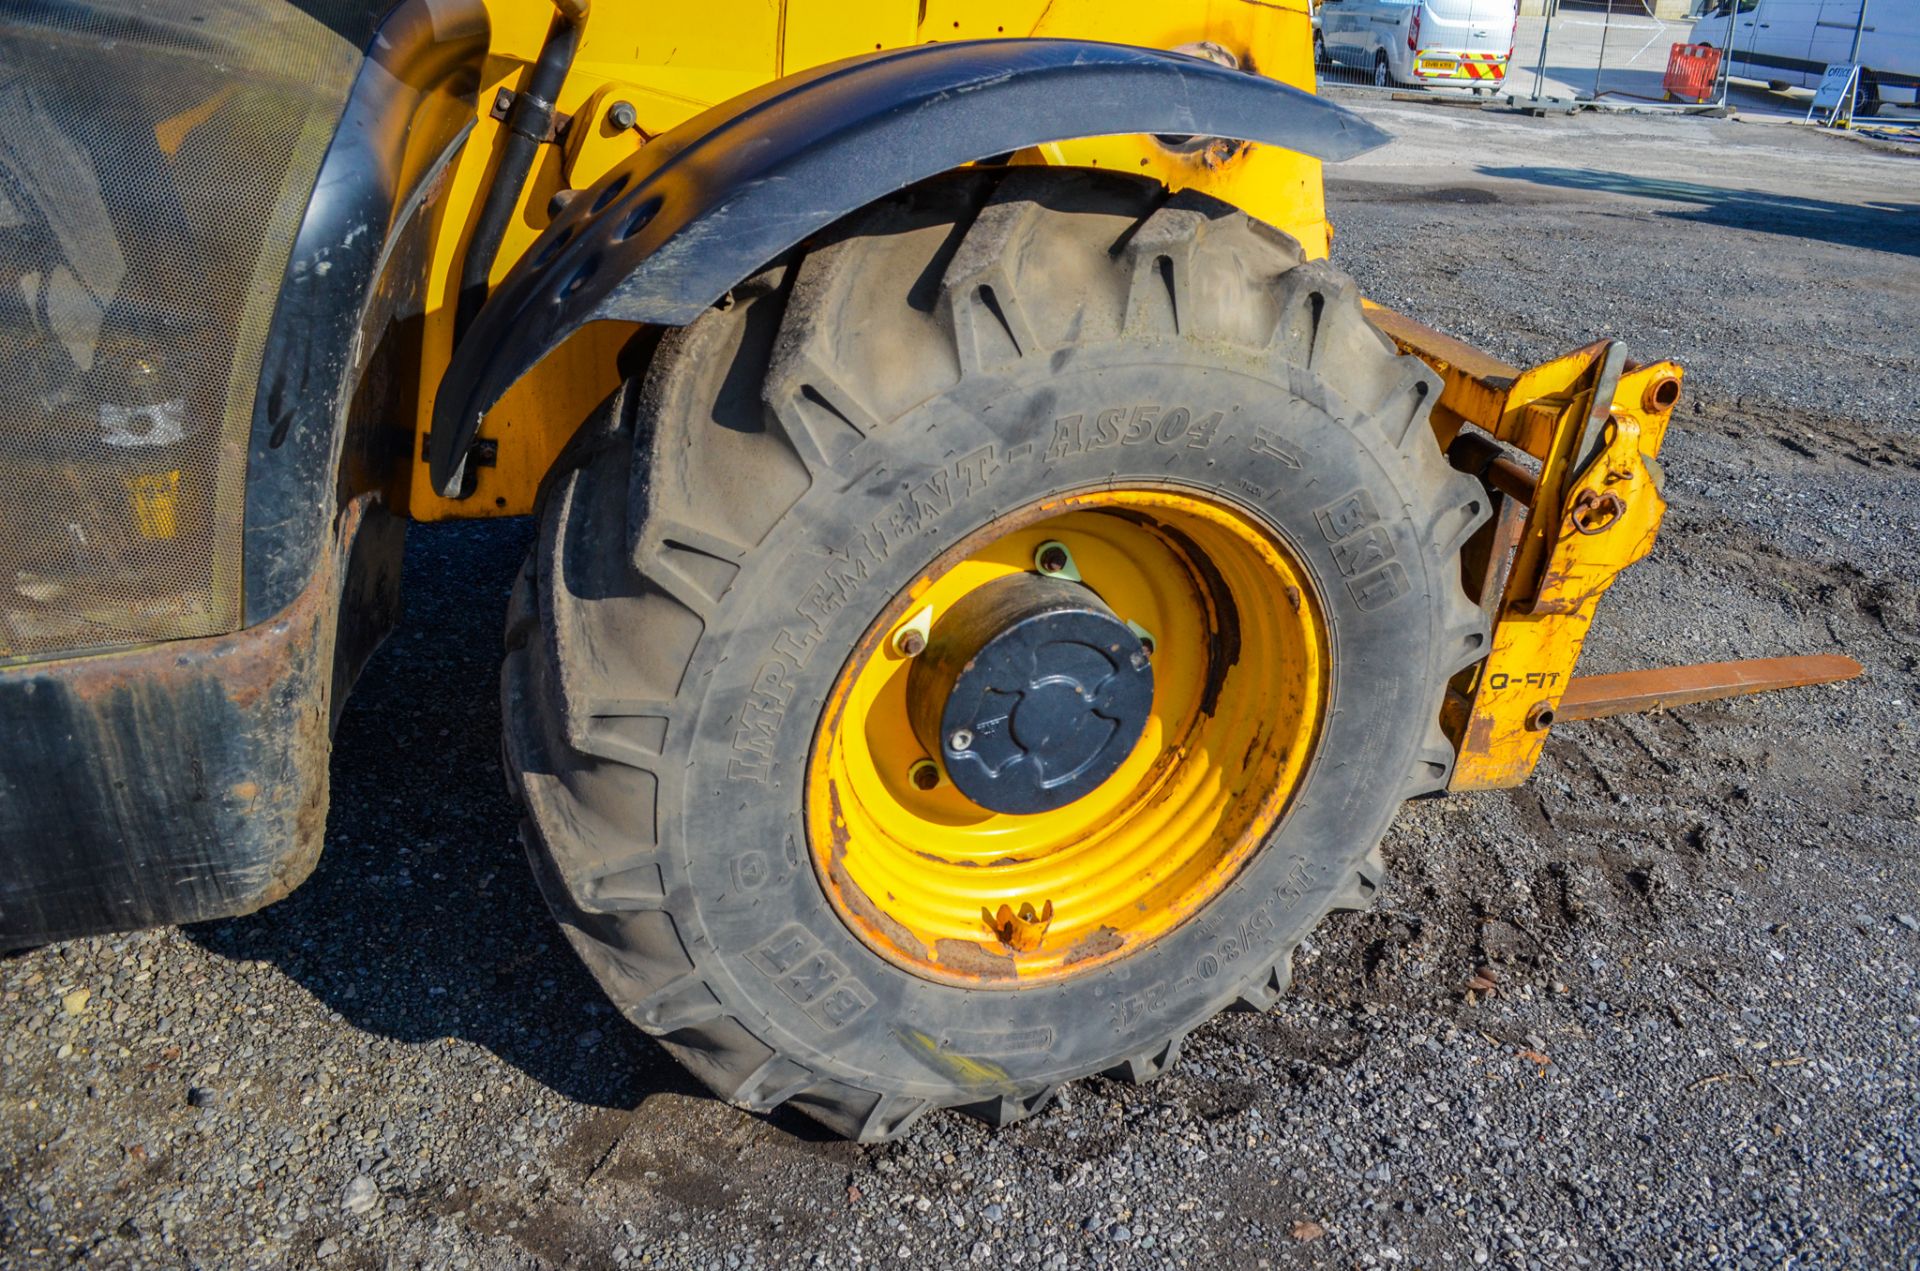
(1436,66)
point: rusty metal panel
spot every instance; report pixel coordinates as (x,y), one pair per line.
(156,158)
(187,780)
(1631,692)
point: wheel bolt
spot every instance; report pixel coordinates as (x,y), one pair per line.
(962,739)
(910,643)
(925,774)
(1146,642)
(1051,558)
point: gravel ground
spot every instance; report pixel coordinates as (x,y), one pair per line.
(1658,1007)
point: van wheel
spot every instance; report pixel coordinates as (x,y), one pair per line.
(1319,49)
(1866,97)
(1382,71)
(924,689)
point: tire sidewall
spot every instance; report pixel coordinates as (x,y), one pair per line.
(768,940)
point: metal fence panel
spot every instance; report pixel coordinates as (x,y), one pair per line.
(1606,51)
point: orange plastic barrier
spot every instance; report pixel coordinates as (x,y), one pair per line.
(1691,70)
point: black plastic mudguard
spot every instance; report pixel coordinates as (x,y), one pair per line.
(668,232)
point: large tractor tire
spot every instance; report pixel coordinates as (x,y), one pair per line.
(983,646)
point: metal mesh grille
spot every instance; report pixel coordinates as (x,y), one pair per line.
(155,161)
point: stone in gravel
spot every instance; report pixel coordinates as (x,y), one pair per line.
(202,1096)
(1305,1230)
(326,1248)
(360,1195)
(1909,921)
(76,1001)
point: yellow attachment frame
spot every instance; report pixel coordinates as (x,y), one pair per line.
(1569,450)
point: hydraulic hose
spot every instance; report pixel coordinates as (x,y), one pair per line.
(529,122)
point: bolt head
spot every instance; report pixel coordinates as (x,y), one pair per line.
(1052,559)
(622,116)
(962,739)
(911,644)
(925,775)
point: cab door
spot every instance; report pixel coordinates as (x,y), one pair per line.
(1781,40)
(1833,34)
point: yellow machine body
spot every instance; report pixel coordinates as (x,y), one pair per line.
(216,381)
(1568,449)
(669,63)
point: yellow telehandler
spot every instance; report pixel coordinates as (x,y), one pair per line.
(995,583)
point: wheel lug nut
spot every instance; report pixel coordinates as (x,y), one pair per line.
(961,739)
(1054,560)
(924,774)
(1145,636)
(910,639)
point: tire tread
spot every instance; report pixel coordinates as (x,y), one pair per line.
(587,707)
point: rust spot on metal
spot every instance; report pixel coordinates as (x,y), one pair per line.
(968,958)
(1095,944)
(1479,735)
(1593,512)
(850,892)
(1221,614)
(1661,394)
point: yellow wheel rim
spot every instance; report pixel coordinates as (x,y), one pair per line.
(957,893)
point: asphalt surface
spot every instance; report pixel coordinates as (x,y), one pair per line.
(1659,1007)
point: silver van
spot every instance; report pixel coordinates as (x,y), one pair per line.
(1466,43)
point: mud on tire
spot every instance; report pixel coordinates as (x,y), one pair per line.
(694,593)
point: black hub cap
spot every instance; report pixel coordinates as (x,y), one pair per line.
(1031,692)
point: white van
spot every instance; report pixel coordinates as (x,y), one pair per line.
(1792,42)
(1460,42)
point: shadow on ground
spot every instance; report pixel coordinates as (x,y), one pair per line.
(1887,227)
(421,921)
(1620,84)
